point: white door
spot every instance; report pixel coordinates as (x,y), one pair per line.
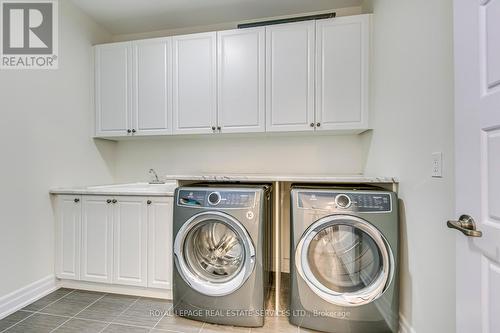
(97,239)
(195,83)
(241,80)
(152,110)
(290,77)
(113,98)
(477,128)
(342,70)
(68,235)
(160,214)
(130,239)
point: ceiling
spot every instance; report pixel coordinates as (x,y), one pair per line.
(136,16)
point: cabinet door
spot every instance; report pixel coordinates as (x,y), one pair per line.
(342,70)
(113,75)
(130,241)
(97,239)
(152,111)
(290,77)
(241,75)
(194,83)
(160,214)
(68,235)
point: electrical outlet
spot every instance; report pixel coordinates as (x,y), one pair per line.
(437,165)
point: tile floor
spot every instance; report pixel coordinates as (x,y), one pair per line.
(72,311)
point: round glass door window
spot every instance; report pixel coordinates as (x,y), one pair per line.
(214,251)
(345,260)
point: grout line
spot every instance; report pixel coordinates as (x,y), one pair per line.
(35,312)
(111,322)
(166,311)
(79,312)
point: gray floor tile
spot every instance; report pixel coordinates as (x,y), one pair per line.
(277,325)
(107,308)
(13,319)
(179,324)
(212,328)
(44,301)
(81,326)
(145,312)
(37,323)
(72,303)
(113,328)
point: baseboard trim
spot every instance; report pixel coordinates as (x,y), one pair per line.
(18,299)
(404,326)
(116,289)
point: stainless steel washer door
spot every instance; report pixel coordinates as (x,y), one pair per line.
(214,253)
(345,260)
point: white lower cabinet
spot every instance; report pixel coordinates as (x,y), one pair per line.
(130,238)
(125,240)
(160,211)
(97,239)
(68,236)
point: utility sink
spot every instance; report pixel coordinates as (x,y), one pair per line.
(134,188)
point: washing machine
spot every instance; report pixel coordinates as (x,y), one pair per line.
(221,248)
(344,259)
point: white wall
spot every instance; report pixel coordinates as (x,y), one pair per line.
(412,113)
(313,154)
(45,119)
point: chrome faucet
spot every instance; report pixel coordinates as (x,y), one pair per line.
(156,180)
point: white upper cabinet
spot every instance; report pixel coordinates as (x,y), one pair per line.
(290,76)
(342,72)
(152,111)
(113,96)
(194,83)
(241,80)
(301,76)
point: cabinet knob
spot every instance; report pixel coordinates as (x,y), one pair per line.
(311,124)
(129,131)
(77,200)
(219,128)
(149,202)
(133,130)
(114,201)
(213,128)
(108,201)
(318,124)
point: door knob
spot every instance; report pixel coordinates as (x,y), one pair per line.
(465,225)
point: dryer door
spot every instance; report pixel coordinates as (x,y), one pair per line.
(345,260)
(214,253)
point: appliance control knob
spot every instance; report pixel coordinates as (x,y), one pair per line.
(343,201)
(214,198)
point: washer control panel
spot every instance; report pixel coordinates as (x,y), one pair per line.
(351,201)
(213,198)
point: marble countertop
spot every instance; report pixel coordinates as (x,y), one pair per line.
(297,178)
(139,189)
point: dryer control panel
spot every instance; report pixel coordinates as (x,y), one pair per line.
(363,202)
(214,198)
